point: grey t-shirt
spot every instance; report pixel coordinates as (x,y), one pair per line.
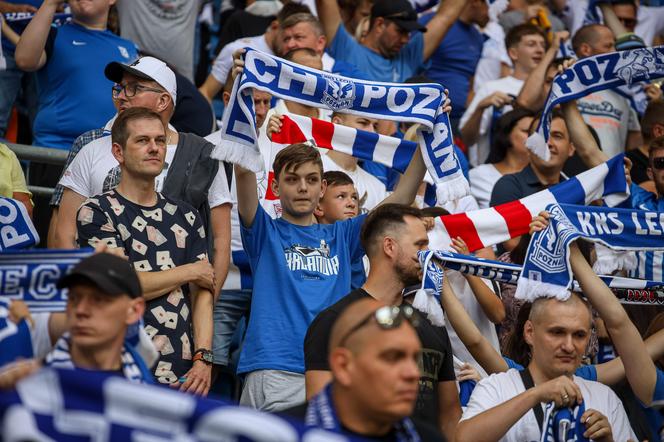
(163,28)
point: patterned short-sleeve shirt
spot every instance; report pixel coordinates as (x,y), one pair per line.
(161,237)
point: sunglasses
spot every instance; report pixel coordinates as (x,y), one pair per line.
(658,163)
(387,318)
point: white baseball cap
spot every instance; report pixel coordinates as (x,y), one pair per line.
(148,68)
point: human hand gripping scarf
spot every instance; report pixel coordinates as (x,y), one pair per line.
(415,103)
(592,74)
(546,270)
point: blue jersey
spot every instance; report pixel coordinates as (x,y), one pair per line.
(454,62)
(649,264)
(375,66)
(74,94)
(654,415)
(298,272)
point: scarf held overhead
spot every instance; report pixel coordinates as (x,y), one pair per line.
(415,103)
(592,74)
(547,271)
(487,227)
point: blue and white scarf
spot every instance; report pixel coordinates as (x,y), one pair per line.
(416,103)
(15,339)
(64,405)
(427,298)
(133,367)
(564,424)
(321,414)
(592,74)
(546,270)
(16,228)
(31,276)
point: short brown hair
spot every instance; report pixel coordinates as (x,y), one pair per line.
(383,219)
(585,34)
(120,132)
(337,178)
(655,145)
(294,156)
(515,34)
(654,114)
(302,17)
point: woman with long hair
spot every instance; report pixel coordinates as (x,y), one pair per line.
(509,154)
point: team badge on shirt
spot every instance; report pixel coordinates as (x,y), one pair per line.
(312,259)
(123,51)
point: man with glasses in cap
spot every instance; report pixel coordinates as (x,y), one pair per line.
(392,235)
(104,298)
(189,174)
(396,45)
(374,354)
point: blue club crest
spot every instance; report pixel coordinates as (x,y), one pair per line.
(338,94)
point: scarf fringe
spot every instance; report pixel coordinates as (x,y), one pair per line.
(239,154)
(452,189)
(530,290)
(427,303)
(537,145)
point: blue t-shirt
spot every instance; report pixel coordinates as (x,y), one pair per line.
(649,264)
(298,272)
(454,62)
(375,66)
(74,94)
(654,416)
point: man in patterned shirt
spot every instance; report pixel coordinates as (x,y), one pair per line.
(158,234)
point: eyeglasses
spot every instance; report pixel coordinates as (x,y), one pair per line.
(130,89)
(387,318)
(658,163)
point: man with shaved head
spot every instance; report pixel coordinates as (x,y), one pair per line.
(392,235)
(373,359)
(509,406)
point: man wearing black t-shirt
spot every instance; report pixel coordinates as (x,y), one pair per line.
(391,236)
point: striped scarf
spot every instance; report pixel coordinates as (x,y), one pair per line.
(416,103)
(16,228)
(487,227)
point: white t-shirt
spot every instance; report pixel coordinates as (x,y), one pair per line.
(610,114)
(369,188)
(482,180)
(224,61)
(439,240)
(501,387)
(478,153)
(94,166)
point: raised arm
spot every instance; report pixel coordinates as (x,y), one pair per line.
(533,95)
(448,12)
(580,135)
(479,347)
(639,368)
(330,18)
(29,52)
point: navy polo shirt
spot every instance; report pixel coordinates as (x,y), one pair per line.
(516,186)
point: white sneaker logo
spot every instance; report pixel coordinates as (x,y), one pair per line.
(78,43)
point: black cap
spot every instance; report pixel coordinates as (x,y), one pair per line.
(400,12)
(112,274)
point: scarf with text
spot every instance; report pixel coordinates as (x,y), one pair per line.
(416,103)
(487,227)
(592,74)
(427,298)
(16,228)
(321,414)
(61,404)
(546,270)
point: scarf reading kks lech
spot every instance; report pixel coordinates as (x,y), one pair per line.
(415,103)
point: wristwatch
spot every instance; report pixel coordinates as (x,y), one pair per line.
(204,355)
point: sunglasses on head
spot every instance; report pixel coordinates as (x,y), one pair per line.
(658,163)
(387,318)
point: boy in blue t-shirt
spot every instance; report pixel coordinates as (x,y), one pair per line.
(299,267)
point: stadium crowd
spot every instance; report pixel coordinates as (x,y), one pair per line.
(291,288)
